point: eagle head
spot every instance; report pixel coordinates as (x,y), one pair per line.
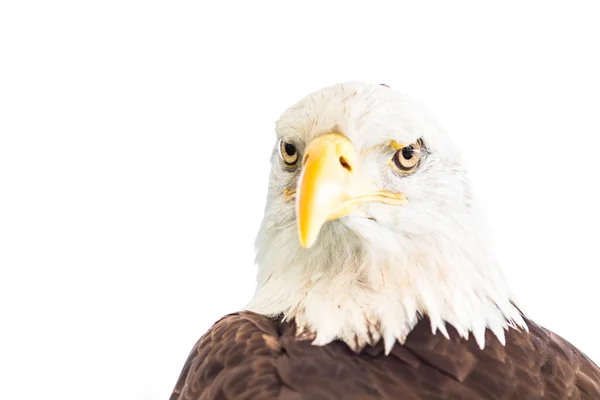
(370,223)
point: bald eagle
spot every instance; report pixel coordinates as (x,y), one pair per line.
(375,278)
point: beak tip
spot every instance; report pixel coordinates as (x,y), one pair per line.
(306,241)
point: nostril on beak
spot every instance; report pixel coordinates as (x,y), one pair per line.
(345,164)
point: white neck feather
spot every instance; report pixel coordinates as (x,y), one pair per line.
(362,289)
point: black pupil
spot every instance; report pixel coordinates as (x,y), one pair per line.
(407,152)
(290,150)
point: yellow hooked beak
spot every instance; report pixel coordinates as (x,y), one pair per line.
(331,187)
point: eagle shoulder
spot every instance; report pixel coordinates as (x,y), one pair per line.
(233,360)
(566,370)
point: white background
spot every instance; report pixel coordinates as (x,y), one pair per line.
(135,138)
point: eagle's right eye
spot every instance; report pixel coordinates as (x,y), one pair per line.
(288,153)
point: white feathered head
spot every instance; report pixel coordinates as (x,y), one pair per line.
(370,223)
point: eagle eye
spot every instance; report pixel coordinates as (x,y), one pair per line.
(407,158)
(288,153)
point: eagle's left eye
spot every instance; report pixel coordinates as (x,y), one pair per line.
(407,158)
(288,153)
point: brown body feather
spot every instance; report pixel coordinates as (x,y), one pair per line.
(249,356)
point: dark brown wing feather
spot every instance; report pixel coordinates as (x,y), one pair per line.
(248,356)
